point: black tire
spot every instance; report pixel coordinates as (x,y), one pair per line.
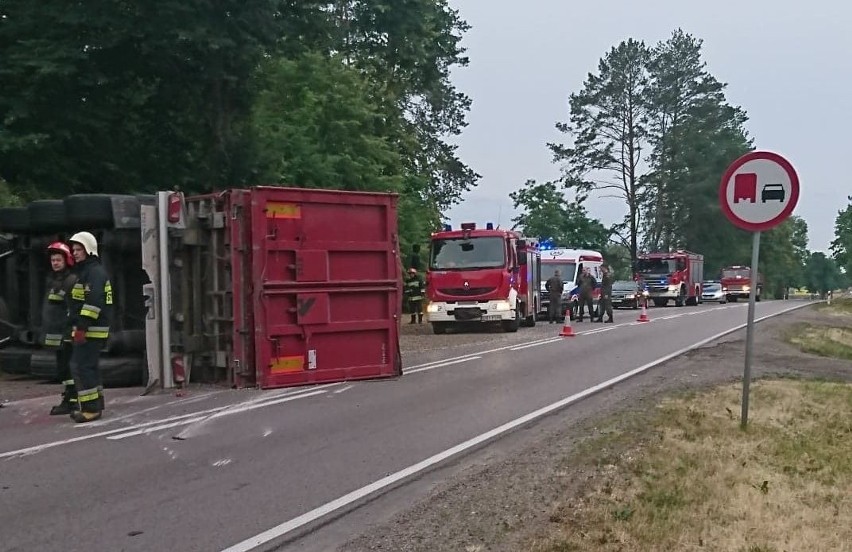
(47,216)
(439,328)
(15,220)
(43,365)
(123,371)
(511,326)
(15,361)
(102,211)
(126,342)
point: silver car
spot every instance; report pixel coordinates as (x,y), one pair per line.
(712,293)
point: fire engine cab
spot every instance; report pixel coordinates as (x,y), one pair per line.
(478,275)
(675,275)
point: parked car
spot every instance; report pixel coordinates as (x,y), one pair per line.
(627,293)
(712,293)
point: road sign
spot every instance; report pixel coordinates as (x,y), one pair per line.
(759,191)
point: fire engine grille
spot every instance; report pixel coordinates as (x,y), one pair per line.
(470,292)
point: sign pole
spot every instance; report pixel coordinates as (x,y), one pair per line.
(755,253)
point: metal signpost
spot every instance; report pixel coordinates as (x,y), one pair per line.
(758,192)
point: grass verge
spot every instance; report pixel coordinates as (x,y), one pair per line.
(827,341)
(841,306)
(699,482)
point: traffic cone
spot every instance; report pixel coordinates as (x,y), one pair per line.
(644,316)
(567,331)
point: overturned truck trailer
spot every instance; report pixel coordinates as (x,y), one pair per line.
(272,287)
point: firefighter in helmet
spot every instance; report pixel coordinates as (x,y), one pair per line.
(55,321)
(90,320)
(414,295)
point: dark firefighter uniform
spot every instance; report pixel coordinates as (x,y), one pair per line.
(414,293)
(587,287)
(605,305)
(56,324)
(90,319)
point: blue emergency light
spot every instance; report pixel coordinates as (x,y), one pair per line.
(448,227)
(489,226)
(546,244)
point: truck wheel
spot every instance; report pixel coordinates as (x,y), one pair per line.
(511,326)
(15,220)
(102,211)
(439,328)
(48,215)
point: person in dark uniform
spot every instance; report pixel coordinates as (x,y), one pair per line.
(605,303)
(56,323)
(414,295)
(414,259)
(91,314)
(587,287)
(554,286)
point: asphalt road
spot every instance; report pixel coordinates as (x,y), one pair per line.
(249,470)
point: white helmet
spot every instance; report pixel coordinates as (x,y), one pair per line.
(88,241)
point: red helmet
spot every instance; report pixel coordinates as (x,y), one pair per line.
(59,247)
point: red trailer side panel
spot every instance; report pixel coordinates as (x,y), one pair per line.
(327,286)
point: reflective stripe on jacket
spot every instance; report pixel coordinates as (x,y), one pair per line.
(55,321)
(92,300)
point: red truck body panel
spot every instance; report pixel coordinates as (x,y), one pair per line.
(313,291)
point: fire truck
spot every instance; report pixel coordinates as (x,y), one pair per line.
(736,283)
(676,276)
(570,263)
(478,275)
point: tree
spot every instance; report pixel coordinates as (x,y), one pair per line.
(841,246)
(694,134)
(608,126)
(822,273)
(548,213)
(783,255)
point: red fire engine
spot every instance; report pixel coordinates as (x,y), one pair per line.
(736,283)
(676,275)
(482,275)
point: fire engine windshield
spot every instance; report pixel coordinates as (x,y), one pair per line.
(566,270)
(460,253)
(736,273)
(660,266)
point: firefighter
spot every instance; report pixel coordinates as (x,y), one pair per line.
(587,287)
(90,319)
(605,303)
(414,295)
(55,321)
(554,286)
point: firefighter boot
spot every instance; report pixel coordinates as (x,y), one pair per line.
(419,317)
(83,417)
(413,319)
(68,404)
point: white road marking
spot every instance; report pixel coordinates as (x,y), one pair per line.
(448,363)
(347,388)
(359,494)
(536,344)
(256,402)
(229,411)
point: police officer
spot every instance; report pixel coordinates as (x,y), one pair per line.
(587,287)
(554,286)
(55,321)
(605,303)
(90,319)
(414,295)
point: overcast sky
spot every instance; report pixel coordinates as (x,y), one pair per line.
(787,63)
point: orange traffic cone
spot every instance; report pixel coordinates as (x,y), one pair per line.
(644,316)
(567,331)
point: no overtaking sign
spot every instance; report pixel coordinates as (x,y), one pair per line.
(758,192)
